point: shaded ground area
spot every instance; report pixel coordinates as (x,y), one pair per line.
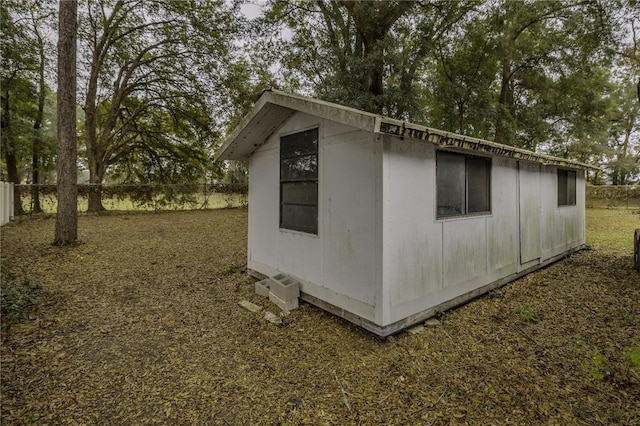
(141,325)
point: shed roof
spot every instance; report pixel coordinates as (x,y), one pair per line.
(274,108)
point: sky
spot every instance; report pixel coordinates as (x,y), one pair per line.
(251,9)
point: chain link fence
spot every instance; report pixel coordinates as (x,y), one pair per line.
(151,197)
(613,196)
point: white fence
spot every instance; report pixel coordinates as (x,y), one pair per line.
(6,202)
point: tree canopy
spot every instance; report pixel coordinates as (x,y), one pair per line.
(154,79)
(28,124)
(160,83)
(542,75)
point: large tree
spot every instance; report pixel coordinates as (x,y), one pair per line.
(17,58)
(368,55)
(40,14)
(28,139)
(461,88)
(372,23)
(152,80)
(542,43)
(529,74)
(67,212)
(623,157)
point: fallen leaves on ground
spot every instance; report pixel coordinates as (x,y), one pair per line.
(142,325)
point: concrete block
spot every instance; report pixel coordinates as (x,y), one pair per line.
(416,329)
(432,322)
(249,306)
(284,287)
(285,305)
(272,318)
(262,288)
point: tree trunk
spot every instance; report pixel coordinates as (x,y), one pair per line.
(10,153)
(461,111)
(37,138)
(374,69)
(95,195)
(373,21)
(506,100)
(94,157)
(36,207)
(67,216)
(96,176)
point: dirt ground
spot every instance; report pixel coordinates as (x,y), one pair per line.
(141,325)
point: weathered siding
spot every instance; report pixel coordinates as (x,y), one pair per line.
(270,249)
(264,174)
(464,244)
(412,240)
(529,211)
(429,261)
(502,224)
(349,234)
(562,226)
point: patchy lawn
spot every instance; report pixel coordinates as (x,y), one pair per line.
(141,325)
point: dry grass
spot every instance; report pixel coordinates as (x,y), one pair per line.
(612,228)
(142,326)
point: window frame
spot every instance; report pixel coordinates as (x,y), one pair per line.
(308,186)
(468,164)
(566,187)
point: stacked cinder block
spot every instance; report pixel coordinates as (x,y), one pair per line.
(262,288)
(281,289)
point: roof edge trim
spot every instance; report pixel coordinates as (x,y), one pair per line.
(453,140)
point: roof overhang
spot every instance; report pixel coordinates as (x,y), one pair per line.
(274,108)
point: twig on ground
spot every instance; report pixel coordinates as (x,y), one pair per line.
(344,393)
(424,407)
(532,340)
(448,335)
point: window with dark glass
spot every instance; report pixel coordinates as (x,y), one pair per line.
(299,181)
(566,187)
(463,184)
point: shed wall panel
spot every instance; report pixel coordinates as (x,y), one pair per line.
(581,203)
(502,224)
(464,243)
(428,261)
(263,206)
(529,205)
(349,234)
(412,240)
(272,249)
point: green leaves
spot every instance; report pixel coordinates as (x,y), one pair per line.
(156,87)
(26,52)
(158,76)
(531,74)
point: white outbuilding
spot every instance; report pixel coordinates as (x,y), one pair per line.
(386,223)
